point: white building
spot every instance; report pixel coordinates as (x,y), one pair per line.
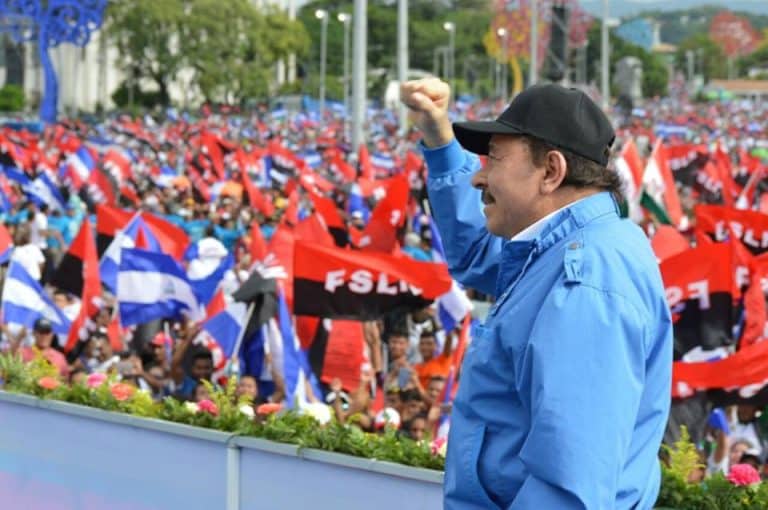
(89,76)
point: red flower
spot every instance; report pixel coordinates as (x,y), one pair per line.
(268,408)
(207,406)
(743,474)
(122,391)
(48,382)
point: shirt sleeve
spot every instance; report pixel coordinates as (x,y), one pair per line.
(471,252)
(582,376)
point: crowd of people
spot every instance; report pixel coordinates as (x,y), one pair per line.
(189,172)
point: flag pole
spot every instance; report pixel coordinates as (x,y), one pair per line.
(234,361)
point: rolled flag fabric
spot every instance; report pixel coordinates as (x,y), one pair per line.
(153,286)
(24,301)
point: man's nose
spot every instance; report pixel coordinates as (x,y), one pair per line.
(479,180)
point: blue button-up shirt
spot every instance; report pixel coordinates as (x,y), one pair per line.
(565,390)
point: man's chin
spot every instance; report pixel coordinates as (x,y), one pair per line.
(494,228)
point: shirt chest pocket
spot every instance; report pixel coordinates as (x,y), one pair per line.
(480,349)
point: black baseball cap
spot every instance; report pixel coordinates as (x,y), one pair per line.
(564,117)
(42,325)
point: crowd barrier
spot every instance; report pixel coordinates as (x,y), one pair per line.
(59,456)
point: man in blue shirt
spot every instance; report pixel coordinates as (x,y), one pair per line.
(565,390)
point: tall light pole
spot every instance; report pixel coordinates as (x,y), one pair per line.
(402,58)
(605,59)
(450,27)
(346,19)
(533,71)
(291,57)
(322,15)
(502,32)
(359,70)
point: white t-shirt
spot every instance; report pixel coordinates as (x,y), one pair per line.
(30,257)
(37,229)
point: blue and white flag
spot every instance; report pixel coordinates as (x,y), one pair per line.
(166,176)
(312,158)
(153,286)
(16,174)
(356,203)
(5,203)
(24,301)
(125,238)
(78,167)
(205,285)
(225,327)
(296,368)
(382,161)
(454,305)
(42,190)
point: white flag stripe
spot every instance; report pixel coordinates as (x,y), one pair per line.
(149,288)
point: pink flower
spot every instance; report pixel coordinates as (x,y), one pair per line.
(122,391)
(268,408)
(438,446)
(743,474)
(207,406)
(95,380)
(48,382)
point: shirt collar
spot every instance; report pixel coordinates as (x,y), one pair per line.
(533,230)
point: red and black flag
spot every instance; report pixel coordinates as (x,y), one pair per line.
(722,223)
(701,290)
(78,273)
(334,283)
(330,213)
(743,369)
(388,216)
(80,260)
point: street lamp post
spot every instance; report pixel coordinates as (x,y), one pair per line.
(402,58)
(322,15)
(605,90)
(346,19)
(533,71)
(359,71)
(502,32)
(450,27)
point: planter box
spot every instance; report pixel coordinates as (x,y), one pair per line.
(59,456)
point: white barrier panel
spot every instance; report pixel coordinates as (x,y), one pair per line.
(59,456)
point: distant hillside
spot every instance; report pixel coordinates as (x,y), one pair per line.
(677,25)
(629,8)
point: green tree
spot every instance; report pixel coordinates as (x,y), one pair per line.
(146,33)
(233,47)
(706,52)
(230,46)
(758,59)
(11,98)
(426,35)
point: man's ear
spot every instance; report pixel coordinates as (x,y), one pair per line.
(555,170)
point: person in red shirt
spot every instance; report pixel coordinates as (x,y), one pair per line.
(42,331)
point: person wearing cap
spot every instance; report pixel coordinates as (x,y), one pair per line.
(42,331)
(565,390)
